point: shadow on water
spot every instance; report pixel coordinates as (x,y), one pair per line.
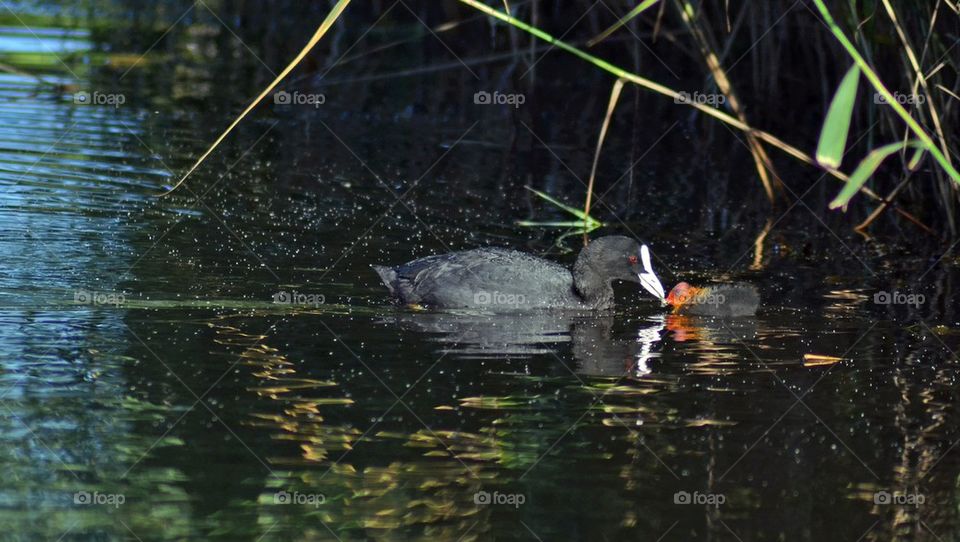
(145,358)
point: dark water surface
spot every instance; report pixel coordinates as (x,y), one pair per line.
(151,389)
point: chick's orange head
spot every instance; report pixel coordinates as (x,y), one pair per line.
(681,294)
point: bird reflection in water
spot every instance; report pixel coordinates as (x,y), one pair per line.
(595,346)
(710,329)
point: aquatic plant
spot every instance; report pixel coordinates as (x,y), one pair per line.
(914,23)
(833,138)
(835,129)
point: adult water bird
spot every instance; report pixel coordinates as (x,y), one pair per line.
(503,280)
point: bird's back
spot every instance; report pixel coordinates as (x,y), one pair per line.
(487,278)
(725,300)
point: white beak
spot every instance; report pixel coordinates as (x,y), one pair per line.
(648,279)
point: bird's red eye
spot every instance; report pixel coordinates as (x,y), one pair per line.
(632,259)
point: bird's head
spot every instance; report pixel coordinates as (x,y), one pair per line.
(681,294)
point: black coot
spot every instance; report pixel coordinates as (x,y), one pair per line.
(498,279)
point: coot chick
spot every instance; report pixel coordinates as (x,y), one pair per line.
(718,300)
(503,280)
